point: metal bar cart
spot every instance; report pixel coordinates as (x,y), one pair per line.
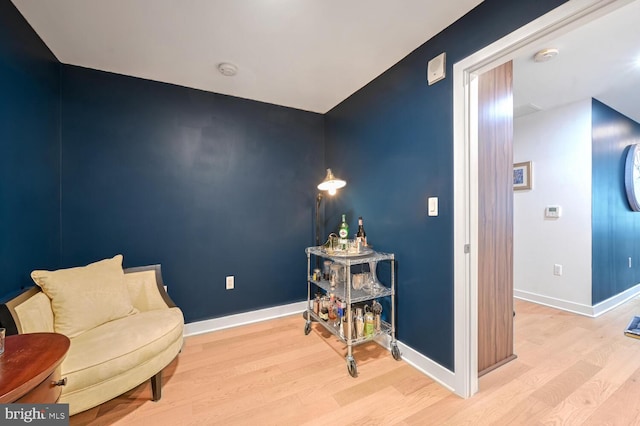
(352,290)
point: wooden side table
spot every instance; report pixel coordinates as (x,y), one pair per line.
(30,368)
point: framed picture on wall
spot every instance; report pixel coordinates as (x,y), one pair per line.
(522,175)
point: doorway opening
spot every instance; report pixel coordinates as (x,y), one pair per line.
(565,18)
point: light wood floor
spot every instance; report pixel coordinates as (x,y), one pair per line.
(570,370)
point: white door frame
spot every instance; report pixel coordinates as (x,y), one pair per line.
(566,17)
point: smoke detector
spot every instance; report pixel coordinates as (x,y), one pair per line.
(545,55)
(227,69)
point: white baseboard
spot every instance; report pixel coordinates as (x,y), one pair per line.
(578,308)
(206,326)
(428,367)
(552,302)
(615,301)
(409,355)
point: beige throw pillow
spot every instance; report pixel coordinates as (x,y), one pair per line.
(82,298)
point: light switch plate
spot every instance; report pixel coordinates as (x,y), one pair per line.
(433,206)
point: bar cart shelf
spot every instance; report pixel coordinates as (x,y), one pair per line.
(344,291)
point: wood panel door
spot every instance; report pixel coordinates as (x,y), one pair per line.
(495,218)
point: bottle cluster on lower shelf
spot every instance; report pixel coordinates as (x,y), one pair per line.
(366,320)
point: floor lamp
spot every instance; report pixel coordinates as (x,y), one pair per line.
(330,184)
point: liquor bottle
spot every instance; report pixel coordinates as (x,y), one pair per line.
(361,235)
(342,313)
(343,232)
(324,314)
(359,323)
(332,314)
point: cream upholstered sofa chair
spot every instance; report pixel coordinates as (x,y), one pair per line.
(123,327)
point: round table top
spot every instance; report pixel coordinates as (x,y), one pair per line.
(27,360)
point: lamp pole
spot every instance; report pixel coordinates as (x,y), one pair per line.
(318,201)
(305,314)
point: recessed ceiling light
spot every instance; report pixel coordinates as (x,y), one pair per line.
(227,69)
(545,55)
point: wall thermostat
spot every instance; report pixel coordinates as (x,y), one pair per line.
(552,212)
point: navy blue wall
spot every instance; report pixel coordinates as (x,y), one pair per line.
(615,227)
(393,142)
(205,184)
(210,185)
(29,159)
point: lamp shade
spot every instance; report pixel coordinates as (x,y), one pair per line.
(331,183)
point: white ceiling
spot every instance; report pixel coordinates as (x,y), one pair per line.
(306,54)
(599,60)
(312,55)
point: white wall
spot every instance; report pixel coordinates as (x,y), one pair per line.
(558,142)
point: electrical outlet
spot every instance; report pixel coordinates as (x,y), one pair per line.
(557,269)
(629,262)
(230,282)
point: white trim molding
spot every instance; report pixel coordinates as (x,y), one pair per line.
(560,20)
(215,324)
(552,302)
(427,366)
(579,308)
(615,301)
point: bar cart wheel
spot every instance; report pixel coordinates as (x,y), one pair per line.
(395,352)
(307,328)
(351,366)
